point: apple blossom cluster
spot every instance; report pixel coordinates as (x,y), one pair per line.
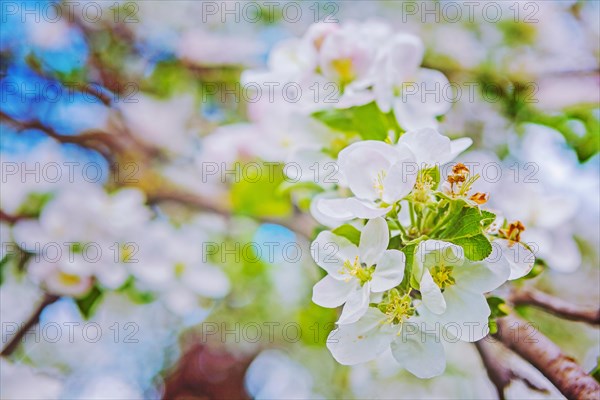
(355,64)
(411,254)
(87,240)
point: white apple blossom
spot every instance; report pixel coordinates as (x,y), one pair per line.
(85,232)
(172,263)
(452,286)
(354,273)
(404,87)
(50,277)
(432,148)
(420,352)
(378,174)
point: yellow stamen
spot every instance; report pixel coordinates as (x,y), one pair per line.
(442,276)
(398,308)
(344,68)
(378,182)
(355,269)
(68,279)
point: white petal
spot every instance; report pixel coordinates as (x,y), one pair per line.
(365,209)
(410,116)
(404,55)
(331,293)
(374,240)
(400,179)
(112,275)
(389,271)
(434,92)
(363,162)
(421,354)
(361,341)
(30,235)
(457,146)
(432,294)
(330,212)
(483,276)
(429,146)
(431,253)
(330,252)
(356,305)
(466,315)
(519,258)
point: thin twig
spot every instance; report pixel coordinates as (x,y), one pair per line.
(555,305)
(97,140)
(498,369)
(30,323)
(564,373)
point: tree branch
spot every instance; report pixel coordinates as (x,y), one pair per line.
(10,218)
(554,305)
(564,373)
(499,374)
(498,370)
(31,322)
(96,140)
(299,223)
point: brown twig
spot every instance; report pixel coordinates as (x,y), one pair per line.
(11,218)
(564,373)
(498,369)
(30,323)
(299,223)
(97,140)
(555,305)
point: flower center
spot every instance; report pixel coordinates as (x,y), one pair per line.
(68,279)
(179,269)
(344,68)
(357,270)
(378,182)
(398,308)
(442,276)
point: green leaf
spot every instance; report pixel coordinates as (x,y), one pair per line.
(349,232)
(537,269)
(595,373)
(87,305)
(134,294)
(367,121)
(395,242)
(488,218)
(476,247)
(498,307)
(167,78)
(466,230)
(466,223)
(3,263)
(33,204)
(257,194)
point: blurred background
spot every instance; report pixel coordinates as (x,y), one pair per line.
(137,272)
